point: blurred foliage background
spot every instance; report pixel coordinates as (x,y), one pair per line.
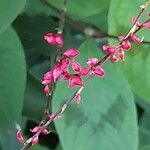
(115,111)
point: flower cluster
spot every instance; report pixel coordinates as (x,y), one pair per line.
(68,64)
(117,52)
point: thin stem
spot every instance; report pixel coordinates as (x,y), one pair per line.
(59,51)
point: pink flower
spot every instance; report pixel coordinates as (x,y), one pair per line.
(114,58)
(35,129)
(48,78)
(78,98)
(57,72)
(84,71)
(58,39)
(46,90)
(49,38)
(76,66)
(92,62)
(146,25)
(45,132)
(54,39)
(136,39)
(64,65)
(71,52)
(126,45)
(99,71)
(109,49)
(20,136)
(75,80)
(35,140)
(66,77)
(46,82)
(121,54)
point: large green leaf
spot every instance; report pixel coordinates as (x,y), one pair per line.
(9,10)
(81,9)
(37,7)
(136,67)
(34,102)
(12,84)
(144,132)
(106,117)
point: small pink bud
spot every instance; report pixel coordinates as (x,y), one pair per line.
(71,52)
(146,25)
(35,129)
(109,49)
(57,72)
(136,39)
(114,58)
(46,82)
(75,80)
(84,71)
(78,98)
(76,66)
(92,62)
(35,140)
(66,77)
(105,47)
(126,45)
(49,37)
(20,136)
(58,39)
(121,54)
(47,90)
(64,65)
(120,38)
(45,132)
(99,71)
(48,75)
(48,78)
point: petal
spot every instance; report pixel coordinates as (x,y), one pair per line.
(20,136)
(78,98)
(126,45)
(136,39)
(121,54)
(49,38)
(99,71)
(58,39)
(35,140)
(92,62)
(71,52)
(35,129)
(75,80)
(76,66)
(57,72)
(84,71)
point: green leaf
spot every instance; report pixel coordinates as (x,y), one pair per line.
(37,7)
(136,66)
(12,85)
(81,9)
(34,102)
(9,10)
(39,147)
(144,132)
(33,31)
(106,117)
